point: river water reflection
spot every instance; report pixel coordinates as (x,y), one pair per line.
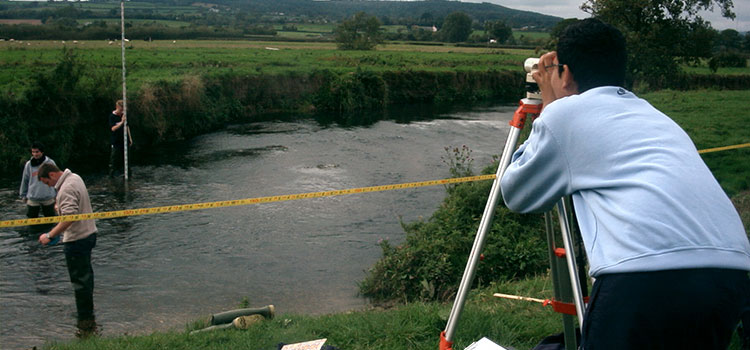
(160,272)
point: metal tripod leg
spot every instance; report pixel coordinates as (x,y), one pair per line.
(562,287)
(562,214)
(528,106)
(484,226)
(573,283)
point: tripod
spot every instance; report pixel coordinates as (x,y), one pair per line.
(532,105)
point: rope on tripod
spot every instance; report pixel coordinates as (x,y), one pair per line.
(558,306)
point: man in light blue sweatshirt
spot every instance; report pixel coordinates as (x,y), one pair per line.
(664,242)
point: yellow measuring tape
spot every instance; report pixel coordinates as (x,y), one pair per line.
(270,199)
(236,202)
(709,150)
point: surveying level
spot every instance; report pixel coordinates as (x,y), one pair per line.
(530,105)
(531,65)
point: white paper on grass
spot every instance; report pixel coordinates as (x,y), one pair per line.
(484,344)
(308,345)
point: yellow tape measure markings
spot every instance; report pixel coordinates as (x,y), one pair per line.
(234,202)
(717,149)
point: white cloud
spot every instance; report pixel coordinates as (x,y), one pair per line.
(741,23)
(561,8)
(572,9)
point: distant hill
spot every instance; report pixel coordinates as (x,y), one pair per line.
(426,12)
(436,9)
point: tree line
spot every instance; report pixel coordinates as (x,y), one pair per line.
(661,37)
(100,30)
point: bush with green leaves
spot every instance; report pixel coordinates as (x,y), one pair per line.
(362,90)
(361,32)
(456,27)
(429,264)
(727,59)
(65,108)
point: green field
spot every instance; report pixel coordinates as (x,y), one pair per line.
(302,35)
(167,23)
(315,28)
(101,7)
(528,34)
(703,69)
(170,60)
(520,35)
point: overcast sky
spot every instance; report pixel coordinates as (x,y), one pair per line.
(571,9)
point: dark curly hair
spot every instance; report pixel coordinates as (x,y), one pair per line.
(37,145)
(594,52)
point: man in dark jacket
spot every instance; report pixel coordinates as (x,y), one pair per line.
(117,121)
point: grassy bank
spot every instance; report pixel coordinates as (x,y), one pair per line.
(416,326)
(411,326)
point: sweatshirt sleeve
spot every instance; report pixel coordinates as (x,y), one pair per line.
(538,175)
(25,181)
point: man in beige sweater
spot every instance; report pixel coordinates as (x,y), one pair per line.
(79,238)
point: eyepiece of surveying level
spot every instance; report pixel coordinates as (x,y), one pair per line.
(531,65)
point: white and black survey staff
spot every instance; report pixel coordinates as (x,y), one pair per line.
(667,247)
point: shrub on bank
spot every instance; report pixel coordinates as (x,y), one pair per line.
(352,92)
(407,86)
(727,59)
(64,108)
(429,264)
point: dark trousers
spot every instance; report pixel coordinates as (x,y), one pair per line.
(673,309)
(116,161)
(32,211)
(78,259)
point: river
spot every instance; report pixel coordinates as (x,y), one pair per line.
(163,271)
